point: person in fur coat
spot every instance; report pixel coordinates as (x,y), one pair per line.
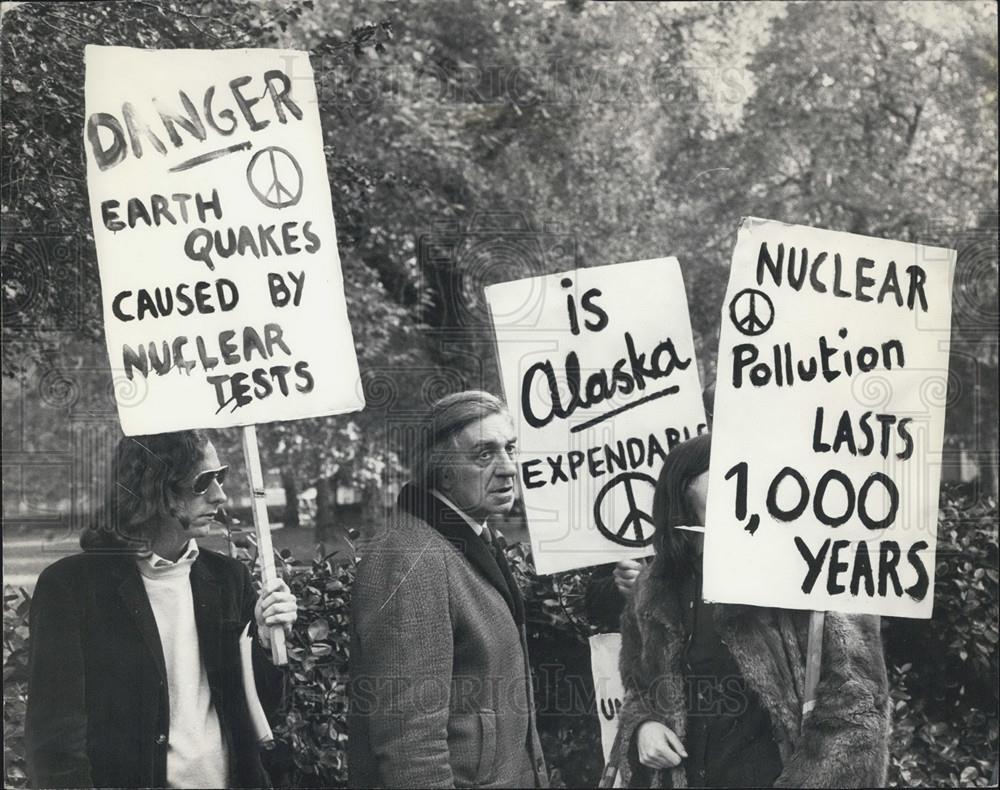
(714,692)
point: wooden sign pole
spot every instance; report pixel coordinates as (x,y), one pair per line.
(612,769)
(264,549)
(814,658)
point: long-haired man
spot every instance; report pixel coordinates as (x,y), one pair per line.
(135,674)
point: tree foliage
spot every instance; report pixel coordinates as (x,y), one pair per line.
(468,144)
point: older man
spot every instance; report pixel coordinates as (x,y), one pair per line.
(441,691)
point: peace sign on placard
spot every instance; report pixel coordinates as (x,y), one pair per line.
(627,529)
(275,178)
(752,312)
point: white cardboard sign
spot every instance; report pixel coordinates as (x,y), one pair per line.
(828,422)
(599,371)
(609,692)
(221,282)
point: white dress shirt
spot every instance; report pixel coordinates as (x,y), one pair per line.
(477,528)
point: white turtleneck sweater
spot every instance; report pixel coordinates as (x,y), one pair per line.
(196,752)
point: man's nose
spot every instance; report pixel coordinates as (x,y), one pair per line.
(507,466)
(216,494)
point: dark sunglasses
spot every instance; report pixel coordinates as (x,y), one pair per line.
(204,479)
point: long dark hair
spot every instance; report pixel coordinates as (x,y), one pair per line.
(144,475)
(675,548)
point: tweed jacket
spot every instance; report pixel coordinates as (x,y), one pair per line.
(843,742)
(98,709)
(440,686)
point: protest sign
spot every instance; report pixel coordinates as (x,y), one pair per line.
(608,689)
(599,371)
(222,291)
(828,422)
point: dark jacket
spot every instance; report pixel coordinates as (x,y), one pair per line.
(603,601)
(440,687)
(98,709)
(843,742)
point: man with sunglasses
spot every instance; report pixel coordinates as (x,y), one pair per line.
(135,673)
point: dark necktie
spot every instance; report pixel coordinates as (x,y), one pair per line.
(501,559)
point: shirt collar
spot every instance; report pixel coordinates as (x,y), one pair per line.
(188,556)
(477,528)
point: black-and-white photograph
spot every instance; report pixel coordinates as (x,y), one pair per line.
(545,393)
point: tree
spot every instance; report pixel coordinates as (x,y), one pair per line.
(51,290)
(896,141)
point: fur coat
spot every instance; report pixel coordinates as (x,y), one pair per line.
(843,742)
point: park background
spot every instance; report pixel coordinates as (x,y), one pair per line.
(474,143)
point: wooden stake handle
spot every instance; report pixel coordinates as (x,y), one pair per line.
(814,659)
(265,552)
(611,770)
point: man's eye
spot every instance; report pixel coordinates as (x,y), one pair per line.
(485,455)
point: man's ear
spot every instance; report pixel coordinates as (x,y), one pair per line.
(444,479)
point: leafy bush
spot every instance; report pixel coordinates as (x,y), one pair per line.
(315,724)
(15,684)
(944,671)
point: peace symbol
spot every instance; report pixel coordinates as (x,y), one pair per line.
(275,177)
(632,523)
(752,312)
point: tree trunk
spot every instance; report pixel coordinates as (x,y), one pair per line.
(987,432)
(326,502)
(291,487)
